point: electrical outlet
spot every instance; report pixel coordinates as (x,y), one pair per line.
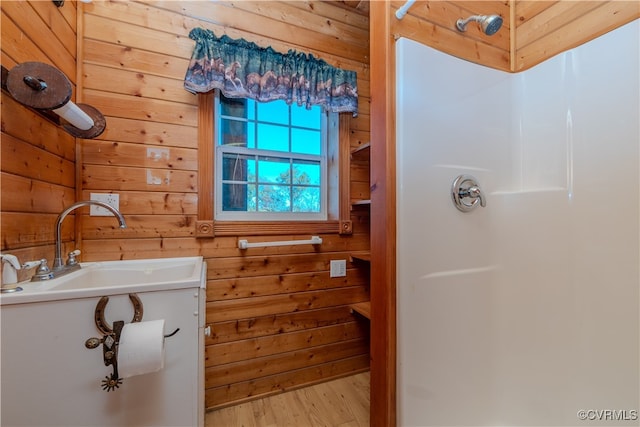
(112,199)
(338,268)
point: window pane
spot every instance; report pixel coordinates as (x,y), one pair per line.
(306,173)
(251,135)
(273,112)
(306,199)
(274,198)
(238,167)
(235,107)
(300,116)
(233,132)
(252,200)
(272,137)
(251,109)
(234,197)
(273,169)
(305,141)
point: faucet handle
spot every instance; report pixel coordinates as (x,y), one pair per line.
(466,193)
(30,264)
(43,272)
(475,192)
(10,268)
(72,257)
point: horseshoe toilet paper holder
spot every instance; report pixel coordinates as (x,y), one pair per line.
(111,338)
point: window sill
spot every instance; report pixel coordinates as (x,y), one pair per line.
(210,229)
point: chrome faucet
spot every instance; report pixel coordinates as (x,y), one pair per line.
(59,267)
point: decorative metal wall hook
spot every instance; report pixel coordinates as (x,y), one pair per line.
(47,90)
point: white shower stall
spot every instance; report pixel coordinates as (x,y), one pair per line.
(525,311)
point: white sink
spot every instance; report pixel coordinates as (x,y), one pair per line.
(113,277)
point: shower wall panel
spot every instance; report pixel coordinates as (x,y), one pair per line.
(526,311)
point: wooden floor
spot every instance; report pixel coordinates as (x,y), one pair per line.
(339,403)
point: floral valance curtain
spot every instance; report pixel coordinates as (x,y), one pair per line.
(241,69)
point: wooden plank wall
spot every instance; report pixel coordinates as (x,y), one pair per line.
(533,30)
(38,173)
(433,23)
(546,28)
(278,320)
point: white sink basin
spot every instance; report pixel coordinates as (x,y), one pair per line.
(113,277)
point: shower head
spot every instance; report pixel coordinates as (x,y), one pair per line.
(490,24)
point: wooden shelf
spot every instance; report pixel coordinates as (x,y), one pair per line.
(365,202)
(361,148)
(361,256)
(362,308)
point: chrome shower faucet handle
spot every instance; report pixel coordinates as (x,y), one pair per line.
(466,193)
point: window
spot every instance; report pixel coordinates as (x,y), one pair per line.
(337,157)
(271,161)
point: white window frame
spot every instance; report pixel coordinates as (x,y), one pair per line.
(328,173)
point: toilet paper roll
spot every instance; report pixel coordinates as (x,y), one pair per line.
(141,348)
